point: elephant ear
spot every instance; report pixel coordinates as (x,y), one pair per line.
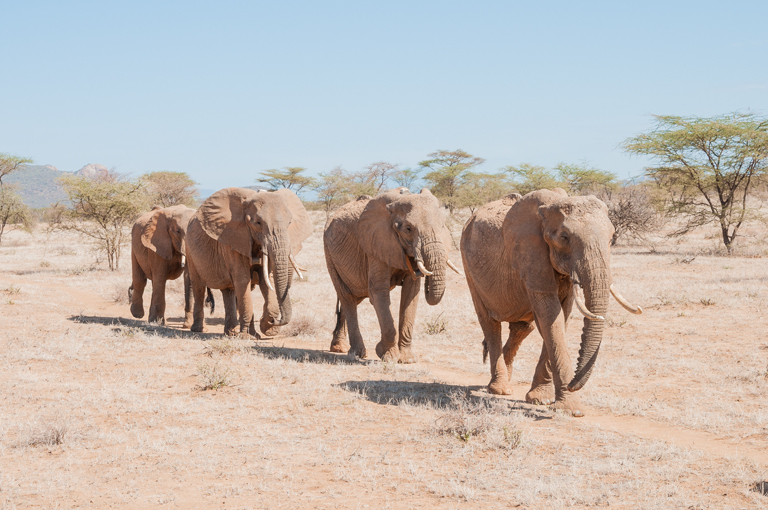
(376,234)
(155,235)
(301,226)
(222,216)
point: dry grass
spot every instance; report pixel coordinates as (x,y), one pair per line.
(675,407)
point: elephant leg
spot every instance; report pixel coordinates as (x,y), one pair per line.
(157,306)
(198,293)
(409,301)
(230,311)
(270,311)
(499,384)
(188,318)
(349,312)
(138,285)
(242,282)
(550,321)
(518,331)
(542,392)
(379,276)
(339,342)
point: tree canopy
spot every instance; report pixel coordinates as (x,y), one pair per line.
(290,177)
(170,188)
(13,212)
(445,173)
(708,166)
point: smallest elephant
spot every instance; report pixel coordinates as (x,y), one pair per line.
(157,248)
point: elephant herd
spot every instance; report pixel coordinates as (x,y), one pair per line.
(526,260)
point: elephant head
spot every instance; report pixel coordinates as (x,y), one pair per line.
(407,231)
(266,228)
(166,230)
(578,233)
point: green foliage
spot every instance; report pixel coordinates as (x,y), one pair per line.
(102,208)
(170,188)
(477,189)
(708,166)
(290,177)
(575,179)
(10,164)
(333,189)
(527,178)
(407,177)
(14,214)
(445,173)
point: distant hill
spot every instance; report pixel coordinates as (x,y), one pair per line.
(37,185)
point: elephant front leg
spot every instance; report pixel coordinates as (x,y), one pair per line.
(244,302)
(157,306)
(198,293)
(379,276)
(230,311)
(138,285)
(542,391)
(551,323)
(409,301)
(188,316)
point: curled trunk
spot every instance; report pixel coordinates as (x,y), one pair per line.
(435,259)
(595,280)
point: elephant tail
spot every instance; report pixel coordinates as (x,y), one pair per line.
(130,293)
(337,329)
(485,350)
(209,300)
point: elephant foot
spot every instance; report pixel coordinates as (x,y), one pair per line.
(358,352)
(541,395)
(569,405)
(499,387)
(198,328)
(231,331)
(160,321)
(188,320)
(406,355)
(137,310)
(339,347)
(387,353)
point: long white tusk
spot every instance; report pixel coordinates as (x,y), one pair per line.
(623,302)
(453,266)
(423,269)
(296,266)
(583,308)
(265,270)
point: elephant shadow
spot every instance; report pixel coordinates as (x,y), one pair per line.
(164,331)
(306,355)
(437,395)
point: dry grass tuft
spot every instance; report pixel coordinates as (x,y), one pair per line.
(214,376)
(467,417)
(227,346)
(119,294)
(12,290)
(436,326)
(305,325)
(50,434)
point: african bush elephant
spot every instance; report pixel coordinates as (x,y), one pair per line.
(157,248)
(524,258)
(235,239)
(371,246)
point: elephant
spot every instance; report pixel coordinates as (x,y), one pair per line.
(372,245)
(157,248)
(525,257)
(235,239)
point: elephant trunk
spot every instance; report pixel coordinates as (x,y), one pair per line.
(279,253)
(435,259)
(595,279)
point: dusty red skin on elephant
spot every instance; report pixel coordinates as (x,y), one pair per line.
(226,239)
(522,257)
(157,245)
(369,244)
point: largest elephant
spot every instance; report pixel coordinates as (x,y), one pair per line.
(525,258)
(239,236)
(371,246)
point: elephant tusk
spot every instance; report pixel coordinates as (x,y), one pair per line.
(453,266)
(623,302)
(583,308)
(423,269)
(183,261)
(296,266)
(265,270)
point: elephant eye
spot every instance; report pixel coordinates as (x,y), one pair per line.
(564,237)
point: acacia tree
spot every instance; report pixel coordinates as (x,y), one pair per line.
(102,208)
(446,170)
(170,188)
(290,177)
(406,177)
(478,189)
(332,188)
(581,179)
(708,166)
(526,178)
(14,213)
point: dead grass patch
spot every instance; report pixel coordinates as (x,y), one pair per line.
(304,325)
(50,433)
(214,376)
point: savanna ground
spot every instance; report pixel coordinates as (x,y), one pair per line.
(99,410)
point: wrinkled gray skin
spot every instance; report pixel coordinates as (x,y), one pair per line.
(157,246)
(522,256)
(371,246)
(225,242)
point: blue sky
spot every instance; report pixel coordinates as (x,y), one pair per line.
(222,90)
